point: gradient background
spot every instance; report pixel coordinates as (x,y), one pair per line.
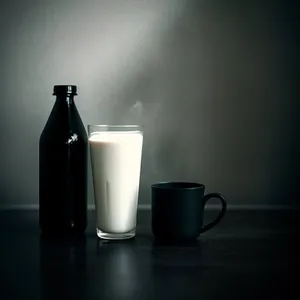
(215,83)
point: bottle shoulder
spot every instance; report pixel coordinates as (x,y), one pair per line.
(67,138)
(63,133)
(64,127)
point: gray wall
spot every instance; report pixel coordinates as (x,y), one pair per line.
(213,82)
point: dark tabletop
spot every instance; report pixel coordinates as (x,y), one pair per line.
(250,255)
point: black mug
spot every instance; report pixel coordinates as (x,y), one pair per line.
(177,210)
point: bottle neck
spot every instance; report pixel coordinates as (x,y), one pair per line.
(65,98)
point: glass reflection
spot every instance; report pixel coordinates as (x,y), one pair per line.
(118,272)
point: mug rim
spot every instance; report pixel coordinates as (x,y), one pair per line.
(177,185)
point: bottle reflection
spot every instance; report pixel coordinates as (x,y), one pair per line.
(63,267)
(117,270)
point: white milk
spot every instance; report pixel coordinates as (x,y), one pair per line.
(116,164)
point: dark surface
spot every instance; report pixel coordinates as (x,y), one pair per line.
(250,255)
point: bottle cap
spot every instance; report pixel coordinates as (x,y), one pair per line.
(65,89)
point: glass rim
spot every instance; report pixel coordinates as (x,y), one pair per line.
(115,127)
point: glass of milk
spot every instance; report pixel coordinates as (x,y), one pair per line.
(116,153)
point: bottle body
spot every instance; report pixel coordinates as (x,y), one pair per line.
(63,170)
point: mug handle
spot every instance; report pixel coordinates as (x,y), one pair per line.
(221,214)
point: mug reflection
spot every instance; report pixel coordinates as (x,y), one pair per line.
(173,268)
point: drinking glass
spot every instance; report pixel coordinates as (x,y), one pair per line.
(116,152)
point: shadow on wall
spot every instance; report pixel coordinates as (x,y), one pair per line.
(255,136)
(214,106)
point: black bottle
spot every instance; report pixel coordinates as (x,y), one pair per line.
(63,168)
